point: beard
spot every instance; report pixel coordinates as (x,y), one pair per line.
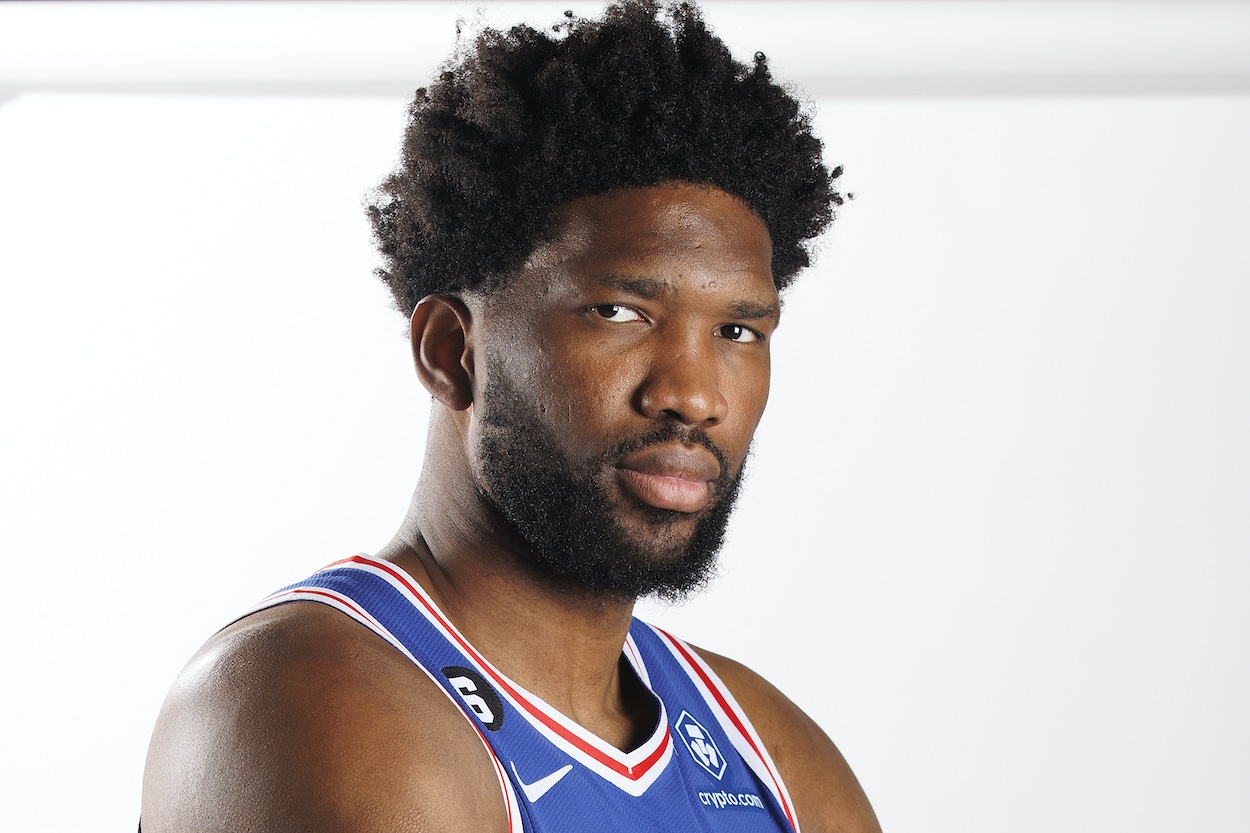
(563,514)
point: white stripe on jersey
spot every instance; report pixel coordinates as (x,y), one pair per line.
(344,604)
(749,746)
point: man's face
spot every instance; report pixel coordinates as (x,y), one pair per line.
(619,380)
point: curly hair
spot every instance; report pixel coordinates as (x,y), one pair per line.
(521,122)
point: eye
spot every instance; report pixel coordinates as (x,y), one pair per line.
(616,313)
(737,332)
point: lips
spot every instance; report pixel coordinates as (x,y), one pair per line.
(670,476)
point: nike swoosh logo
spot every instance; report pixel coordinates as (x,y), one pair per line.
(539,788)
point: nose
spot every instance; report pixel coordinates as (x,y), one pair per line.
(684,384)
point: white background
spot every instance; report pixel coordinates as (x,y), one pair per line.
(996,538)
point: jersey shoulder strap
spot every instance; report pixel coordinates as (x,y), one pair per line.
(382,597)
(679,674)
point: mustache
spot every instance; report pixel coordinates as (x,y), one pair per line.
(667,433)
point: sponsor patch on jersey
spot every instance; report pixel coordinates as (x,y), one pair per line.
(477,694)
(724,799)
(701,745)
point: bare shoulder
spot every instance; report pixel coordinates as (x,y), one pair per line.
(298,718)
(827,797)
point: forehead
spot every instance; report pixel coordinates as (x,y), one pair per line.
(670,233)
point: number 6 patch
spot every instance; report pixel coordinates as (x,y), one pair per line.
(477,695)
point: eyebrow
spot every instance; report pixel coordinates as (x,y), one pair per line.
(755,312)
(649,288)
(652,288)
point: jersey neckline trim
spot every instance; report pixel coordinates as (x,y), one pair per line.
(631,771)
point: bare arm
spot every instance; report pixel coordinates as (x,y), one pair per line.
(299,719)
(827,796)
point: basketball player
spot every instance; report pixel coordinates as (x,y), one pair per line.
(588,232)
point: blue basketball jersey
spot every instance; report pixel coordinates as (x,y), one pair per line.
(703,768)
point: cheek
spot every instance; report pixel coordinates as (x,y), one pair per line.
(587,392)
(747,391)
(760,388)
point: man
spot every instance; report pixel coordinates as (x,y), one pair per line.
(588,231)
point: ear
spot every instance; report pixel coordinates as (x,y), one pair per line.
(442,349)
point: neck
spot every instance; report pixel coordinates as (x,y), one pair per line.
(561,643)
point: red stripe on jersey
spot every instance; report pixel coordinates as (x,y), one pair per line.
(632,773)
(346,602)
(343,600)
(499,772)
(733,717)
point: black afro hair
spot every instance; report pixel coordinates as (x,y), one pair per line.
(519,123)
